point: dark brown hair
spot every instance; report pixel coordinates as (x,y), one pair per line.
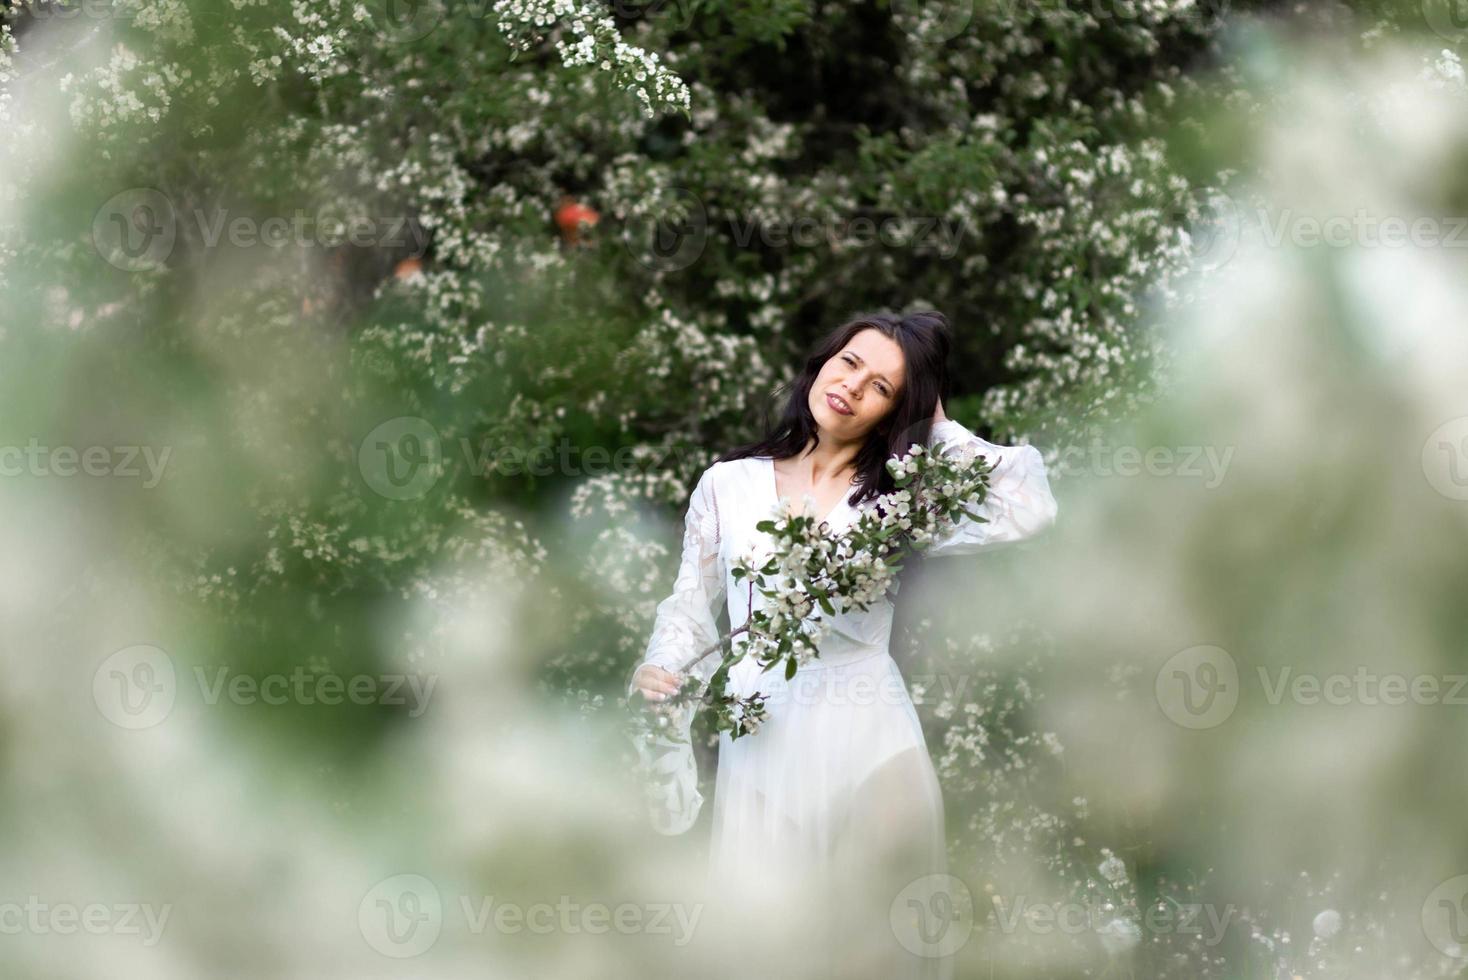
(925,342)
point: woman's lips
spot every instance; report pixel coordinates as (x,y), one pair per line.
(837,405)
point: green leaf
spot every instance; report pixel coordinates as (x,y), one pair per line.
(790,666)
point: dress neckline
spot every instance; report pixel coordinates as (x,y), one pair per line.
(775,493)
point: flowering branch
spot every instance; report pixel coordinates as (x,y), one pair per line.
(524,24)
(811,568)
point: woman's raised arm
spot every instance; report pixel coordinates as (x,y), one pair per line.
(1019,504)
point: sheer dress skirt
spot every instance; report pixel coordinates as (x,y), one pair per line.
(833,809)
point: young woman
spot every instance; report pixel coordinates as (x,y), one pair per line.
(837,784)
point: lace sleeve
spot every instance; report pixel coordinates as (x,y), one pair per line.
(1019,504)
(687,620)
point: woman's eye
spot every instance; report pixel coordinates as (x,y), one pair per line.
(886,392)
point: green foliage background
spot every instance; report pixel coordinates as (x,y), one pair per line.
(1064,149)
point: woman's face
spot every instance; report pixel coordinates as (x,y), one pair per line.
(858,387)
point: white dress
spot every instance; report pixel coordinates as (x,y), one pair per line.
(837,784)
